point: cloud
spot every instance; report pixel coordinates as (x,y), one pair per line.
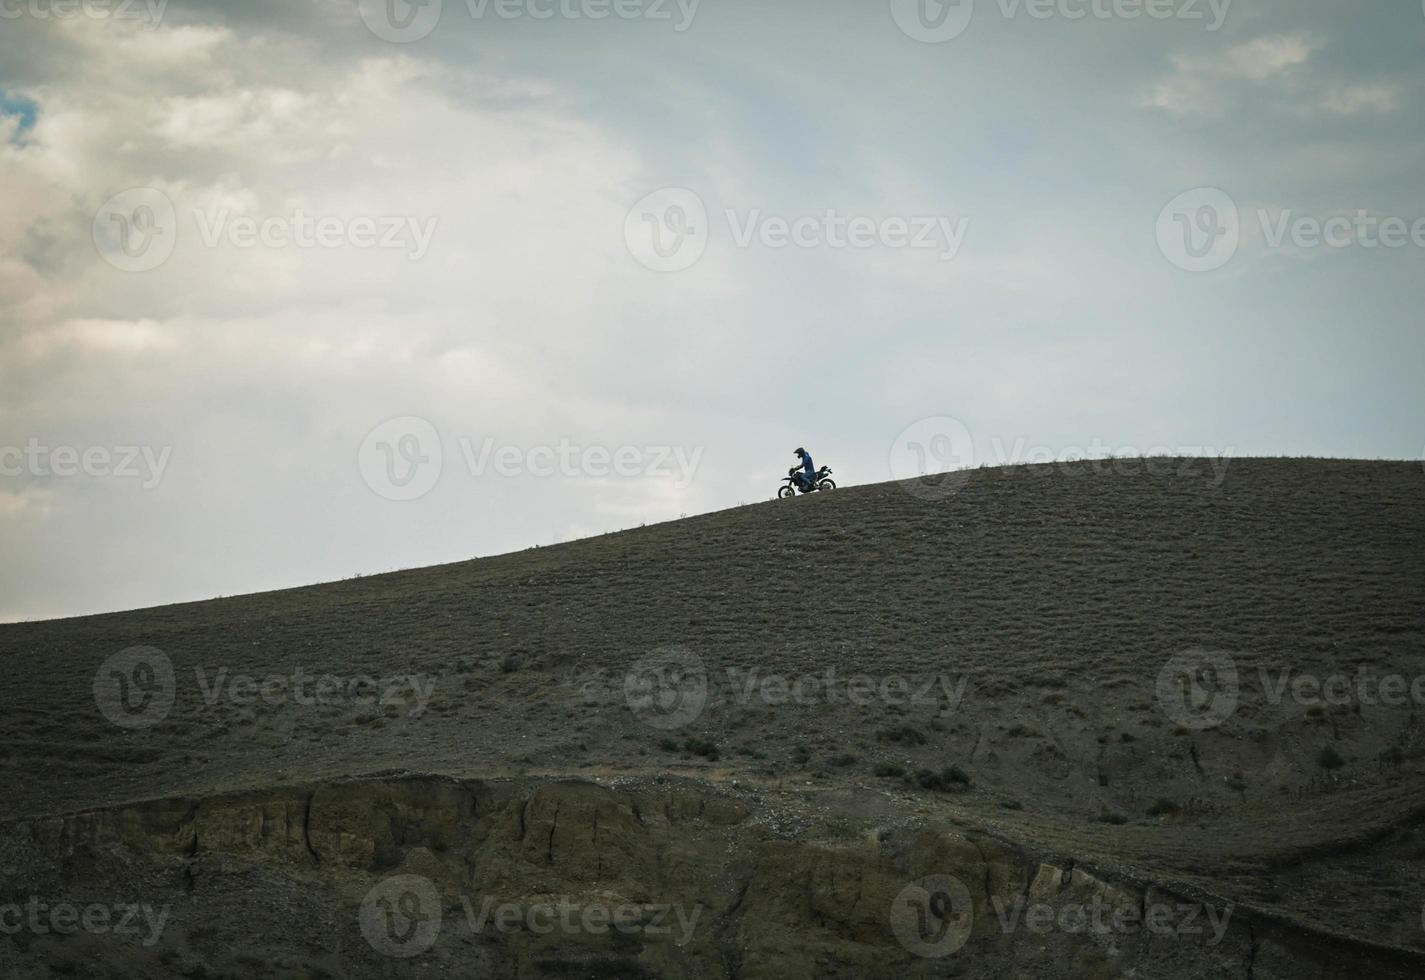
(1208,84)
(1350,100)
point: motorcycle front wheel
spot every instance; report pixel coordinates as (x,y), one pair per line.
(786,491)
(826,485)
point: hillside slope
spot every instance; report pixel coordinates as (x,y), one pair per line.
(1126,664)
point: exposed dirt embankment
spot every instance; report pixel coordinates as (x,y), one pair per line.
(430,876)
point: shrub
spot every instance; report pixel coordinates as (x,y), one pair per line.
(889,770)
(1330,758)
(1163,808)
(702,747)
(944,780)
(902,735)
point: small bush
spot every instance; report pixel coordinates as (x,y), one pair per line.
(889,770)
(1330,758)
(702,747)
(944,780)
(1117,819)
(842,761)
(902,735)
(1163,808)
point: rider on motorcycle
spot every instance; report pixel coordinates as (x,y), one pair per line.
(807,477)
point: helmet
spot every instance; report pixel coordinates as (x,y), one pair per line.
(800,452)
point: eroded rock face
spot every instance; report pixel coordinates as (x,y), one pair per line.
(381,877)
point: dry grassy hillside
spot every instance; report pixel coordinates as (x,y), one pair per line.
(1006,655)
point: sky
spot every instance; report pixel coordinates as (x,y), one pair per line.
(291,292)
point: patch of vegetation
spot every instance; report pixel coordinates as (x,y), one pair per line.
(902,735)
(1330,759)
(1112,817)
(1163,807)
(944,780)
(703,747)
(842,761)
(889,770)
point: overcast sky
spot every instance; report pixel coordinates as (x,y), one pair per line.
(294,291)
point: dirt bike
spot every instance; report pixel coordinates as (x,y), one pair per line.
(796,482)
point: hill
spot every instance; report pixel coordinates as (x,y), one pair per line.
(1173,677)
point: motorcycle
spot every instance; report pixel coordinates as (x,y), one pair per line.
(796,482)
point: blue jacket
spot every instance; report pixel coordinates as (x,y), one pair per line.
(807,466)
